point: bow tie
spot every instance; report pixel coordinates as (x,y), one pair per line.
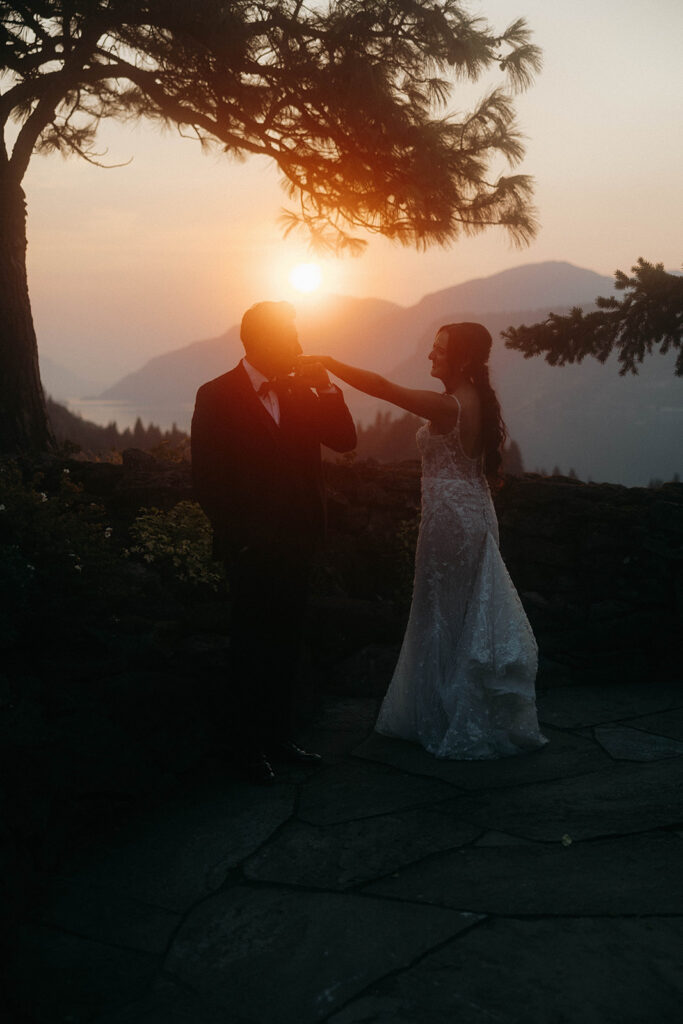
(276,384)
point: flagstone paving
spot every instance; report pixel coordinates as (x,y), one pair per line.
(387,887)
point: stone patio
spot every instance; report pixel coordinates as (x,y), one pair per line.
(388,887)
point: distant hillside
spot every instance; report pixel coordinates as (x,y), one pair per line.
(583,417)
(534,285)
(371,332)
(338,326)
(92,439)
(61,383)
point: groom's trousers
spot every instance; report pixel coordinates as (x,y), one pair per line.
(269,594)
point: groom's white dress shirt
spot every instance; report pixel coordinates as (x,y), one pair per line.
(268,397)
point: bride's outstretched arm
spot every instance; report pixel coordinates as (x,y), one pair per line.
(363,380)
(431,405)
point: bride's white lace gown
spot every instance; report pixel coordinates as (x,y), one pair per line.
(463,686)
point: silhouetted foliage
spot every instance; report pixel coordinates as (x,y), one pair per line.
(64,549)
(343,97)
(56,546)
(347,98)
(650,314)
(388,439)
(657,482)
(393,440)
(73,431)
(512,460)
(178,542)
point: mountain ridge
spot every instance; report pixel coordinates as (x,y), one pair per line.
(583,416)
(332,327)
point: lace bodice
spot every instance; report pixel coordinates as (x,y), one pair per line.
(448,473)
(443,455)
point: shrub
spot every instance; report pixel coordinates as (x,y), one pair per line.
(177,543)
(55,544)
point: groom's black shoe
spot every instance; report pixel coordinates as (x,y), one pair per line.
(285,750)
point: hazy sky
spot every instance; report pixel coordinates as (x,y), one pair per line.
(128,263)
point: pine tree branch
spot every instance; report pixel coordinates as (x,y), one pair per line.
(342,99)
(649,316)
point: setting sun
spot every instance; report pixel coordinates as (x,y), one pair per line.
(305,277)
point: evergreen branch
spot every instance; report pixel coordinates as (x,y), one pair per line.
(649,315)
(341,98)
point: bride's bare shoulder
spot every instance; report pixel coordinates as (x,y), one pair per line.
(467,395)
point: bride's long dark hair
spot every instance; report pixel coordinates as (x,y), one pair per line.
(468,350)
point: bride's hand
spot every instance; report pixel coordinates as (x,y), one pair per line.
(311,371)
(308,360)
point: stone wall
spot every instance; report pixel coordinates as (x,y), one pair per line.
(599,567)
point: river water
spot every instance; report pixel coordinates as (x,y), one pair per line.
(124,414)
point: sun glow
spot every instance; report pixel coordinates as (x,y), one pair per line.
(305,277)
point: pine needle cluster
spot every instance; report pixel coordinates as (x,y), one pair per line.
(649,316)
(350,99)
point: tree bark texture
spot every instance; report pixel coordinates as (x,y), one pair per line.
(24,425)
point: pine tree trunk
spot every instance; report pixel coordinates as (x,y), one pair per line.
(24,424)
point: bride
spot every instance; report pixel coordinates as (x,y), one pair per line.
(463,686)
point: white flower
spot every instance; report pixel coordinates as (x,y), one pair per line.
(108,532)
(2,508)
(66,472)
(78,568)
(43,496)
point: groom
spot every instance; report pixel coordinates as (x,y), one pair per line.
(256,436)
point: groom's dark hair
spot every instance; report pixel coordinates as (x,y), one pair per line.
(263,320)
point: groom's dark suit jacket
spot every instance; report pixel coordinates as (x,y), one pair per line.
(259,483)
